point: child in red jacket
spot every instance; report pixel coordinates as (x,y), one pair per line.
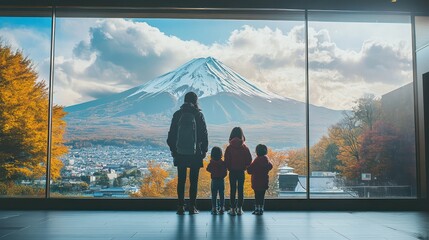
(259,169)
(217,168)
(237,159)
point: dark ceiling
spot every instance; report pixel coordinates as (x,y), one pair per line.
(420,7)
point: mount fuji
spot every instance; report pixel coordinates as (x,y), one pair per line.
(225,97)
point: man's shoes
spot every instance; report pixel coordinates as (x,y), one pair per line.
(193,210)
(180,210)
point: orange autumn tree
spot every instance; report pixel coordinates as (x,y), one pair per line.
(347,136)
(154,183)
(24,121)
(278,159)
(296,159)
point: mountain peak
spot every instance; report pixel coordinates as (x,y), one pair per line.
(204,76)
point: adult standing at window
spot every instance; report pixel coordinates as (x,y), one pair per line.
(188,142)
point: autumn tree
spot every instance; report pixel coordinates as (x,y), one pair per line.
(347,136)
(170,189)
(278,159)
(154,182)
(379,151)
(296,159)
(323,155)
(24,121)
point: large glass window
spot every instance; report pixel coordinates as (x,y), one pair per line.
(24,80)
(360,68)
(120,81)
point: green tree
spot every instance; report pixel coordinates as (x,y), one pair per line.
(103,180)
(117,182)
(323,155)
(329,161)
(367,111)
(24,121)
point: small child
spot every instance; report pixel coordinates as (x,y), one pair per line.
(217,168)
(259,169)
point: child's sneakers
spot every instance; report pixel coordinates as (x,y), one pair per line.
(256,210)
(221,210)
(240,211)
(259,210)
(214,211)
(232,212)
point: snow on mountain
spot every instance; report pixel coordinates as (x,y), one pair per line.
(206,77)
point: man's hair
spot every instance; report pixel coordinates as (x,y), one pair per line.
(191,97)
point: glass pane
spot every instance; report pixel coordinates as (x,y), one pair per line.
(422,66)
(24,79)
(121,80)
(361,70)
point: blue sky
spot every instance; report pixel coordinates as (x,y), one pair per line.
(40,23)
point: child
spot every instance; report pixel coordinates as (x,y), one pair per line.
(217,168)
(259,169)
(237,159)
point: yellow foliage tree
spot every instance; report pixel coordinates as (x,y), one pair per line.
(278,159)
(154,183)
(297,160)
(347,136)
(170,190)
(24,121)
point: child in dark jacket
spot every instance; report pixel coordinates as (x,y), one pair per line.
(259,169)
(217,168)
(237,159)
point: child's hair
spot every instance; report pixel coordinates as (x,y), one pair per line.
(261,150)
(237,132)
(216,153)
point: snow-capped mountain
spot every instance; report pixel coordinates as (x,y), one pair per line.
(225,97)
(206,77)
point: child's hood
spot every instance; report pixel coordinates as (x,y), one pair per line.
(216,162)
(262,159)
(236,142)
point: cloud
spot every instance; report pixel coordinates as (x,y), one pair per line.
(118,54)
(377,61)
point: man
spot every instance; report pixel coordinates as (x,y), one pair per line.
(188,142)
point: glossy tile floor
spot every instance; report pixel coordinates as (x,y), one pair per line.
(62,225)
